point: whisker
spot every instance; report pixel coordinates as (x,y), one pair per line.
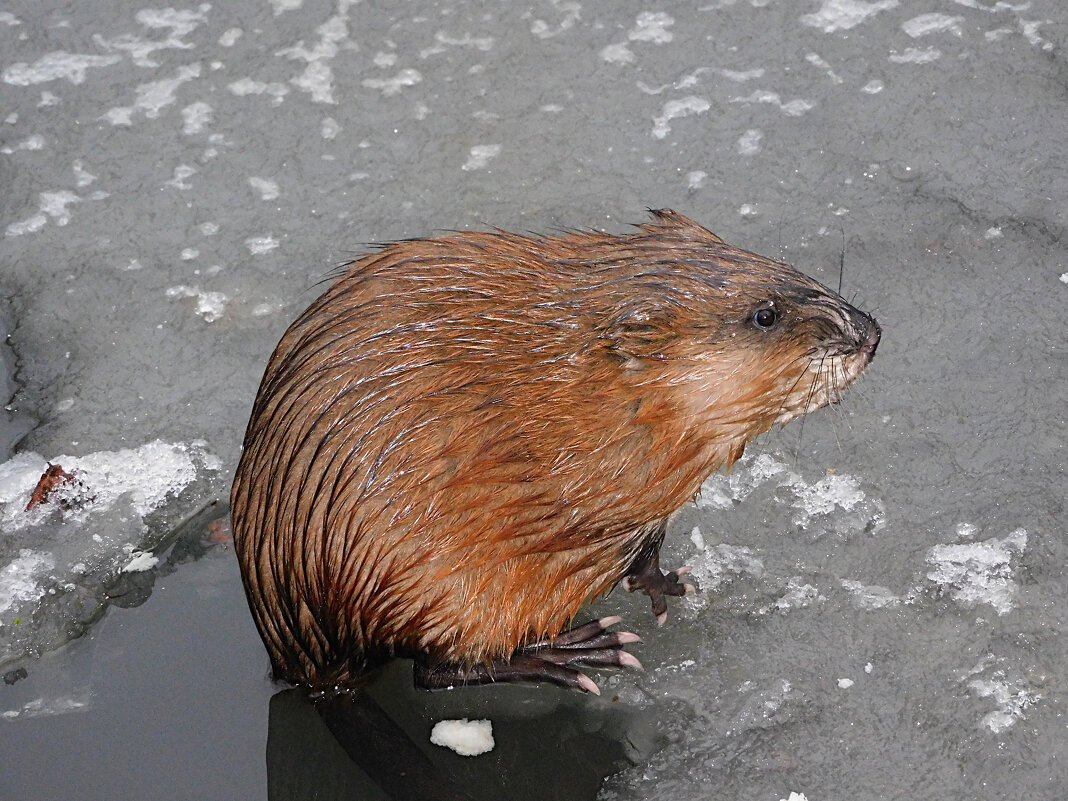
(841,261)
(808,408)
(790,392)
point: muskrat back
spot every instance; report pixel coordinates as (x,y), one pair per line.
(465,438)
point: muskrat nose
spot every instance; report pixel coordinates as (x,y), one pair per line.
(869,332)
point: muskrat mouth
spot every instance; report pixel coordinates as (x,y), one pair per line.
(823,382)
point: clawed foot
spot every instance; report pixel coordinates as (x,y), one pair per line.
(591,645)
(657,584)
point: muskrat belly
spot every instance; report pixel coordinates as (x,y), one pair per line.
(486,611)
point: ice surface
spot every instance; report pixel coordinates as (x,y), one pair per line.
(913,152)
(465,737)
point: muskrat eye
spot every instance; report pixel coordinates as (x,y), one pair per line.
(765,318)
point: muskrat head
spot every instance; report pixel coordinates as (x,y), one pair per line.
(748,341)
(807,343)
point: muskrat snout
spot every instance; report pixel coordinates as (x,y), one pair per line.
(870,333)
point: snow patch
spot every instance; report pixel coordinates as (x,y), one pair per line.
(20,578)
(749,142)
(152,97)
(146,476)
(652,26)
(54,66)
(915,55)
(177,180)
(195,117)
(830,492)
(570,13)
(32,142)
(793,108)
(465,737)
(329,128)
(230,37)
(445,41)
(796,596)
(1011,697)
(926,24)
(674,109)
(246,86)
(50,204)
(979,572)
(180,22)
(479,156)
(393,86)
(267,189)
(282,6)
(140,561)
(618,54)
(870,596)
(317,79)
(82,177)
(39,707)
(258,245)
(818,61)
(210,305)
(841,15)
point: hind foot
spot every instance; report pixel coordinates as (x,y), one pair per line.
(590,645)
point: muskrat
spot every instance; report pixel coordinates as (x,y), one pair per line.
(465,438)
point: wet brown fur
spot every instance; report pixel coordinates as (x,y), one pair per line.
(466,438)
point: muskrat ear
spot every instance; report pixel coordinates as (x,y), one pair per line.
(671,220)
(640,332)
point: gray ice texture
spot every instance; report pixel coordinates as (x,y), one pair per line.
(882,603)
